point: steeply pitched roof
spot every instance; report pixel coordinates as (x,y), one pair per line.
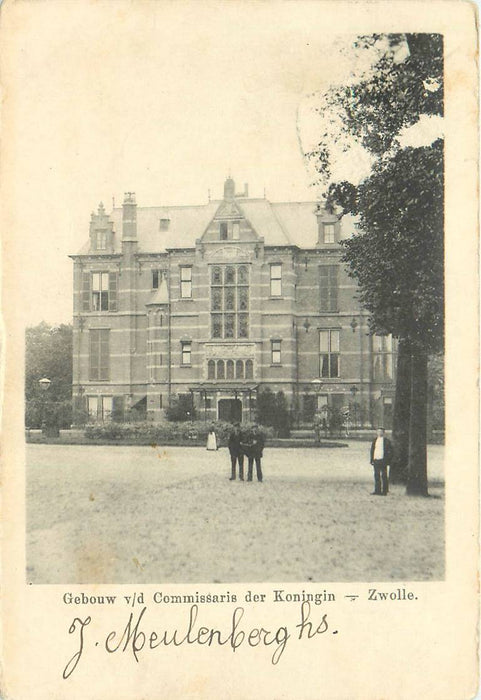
(280,223)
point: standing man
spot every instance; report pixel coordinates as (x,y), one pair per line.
(381,456)
(254,450)
(236,454)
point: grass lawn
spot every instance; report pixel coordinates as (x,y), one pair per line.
(143,514)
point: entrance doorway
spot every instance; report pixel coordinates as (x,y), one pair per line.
(230,410)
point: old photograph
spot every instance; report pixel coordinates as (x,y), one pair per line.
(240,349)
(235,368)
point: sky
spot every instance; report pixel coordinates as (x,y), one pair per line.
(162,99)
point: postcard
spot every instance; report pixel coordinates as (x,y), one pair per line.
(240,350)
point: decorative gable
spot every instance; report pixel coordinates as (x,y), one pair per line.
(228,210)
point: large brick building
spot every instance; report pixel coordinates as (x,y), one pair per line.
(217,302)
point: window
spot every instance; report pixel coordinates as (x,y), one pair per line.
(276,352)
(276,280)
(164,224)
(329,233)
(329,353)
(93,407)
(223,230)
(230,369)
(101,240)
(100,408)
(186,353)
(382,348)
(235,230)
(107,407)
(156,278)
(99,358)
(186,282)
(99,291)
(229,301)
(328,286)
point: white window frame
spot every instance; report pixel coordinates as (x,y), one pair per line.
(329,233)
(185,281)
(186,352)
(276,352)
(275,280)
(330,351)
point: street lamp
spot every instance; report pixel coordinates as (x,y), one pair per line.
(44,386)
(353,390)
(317,385)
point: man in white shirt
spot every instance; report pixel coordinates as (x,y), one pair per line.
(381,456)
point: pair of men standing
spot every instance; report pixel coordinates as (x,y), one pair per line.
(381,457)
(250,445)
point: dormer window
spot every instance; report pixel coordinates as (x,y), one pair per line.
(101,240)
(223,230)
(329,233)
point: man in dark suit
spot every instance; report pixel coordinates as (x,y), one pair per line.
(236,453)
(381,457)
(253,448)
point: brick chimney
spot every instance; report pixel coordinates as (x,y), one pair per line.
(129,217)
(229,188)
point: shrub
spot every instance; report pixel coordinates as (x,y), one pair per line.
(272,411)
(180,409)
(55,414)
(165,433)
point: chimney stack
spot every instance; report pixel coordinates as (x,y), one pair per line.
(129,217)
(229,188)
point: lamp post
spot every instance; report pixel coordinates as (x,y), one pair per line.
(44,386)
(353,390)
(317,385)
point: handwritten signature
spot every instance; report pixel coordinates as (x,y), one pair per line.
(135,638)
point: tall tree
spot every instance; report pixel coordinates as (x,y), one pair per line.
(397,256)
(48,353)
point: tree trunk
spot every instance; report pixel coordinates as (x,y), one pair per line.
(402,406)
(417,484)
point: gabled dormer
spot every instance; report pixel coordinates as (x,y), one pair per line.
(328,225)
(230,222)
(101,231)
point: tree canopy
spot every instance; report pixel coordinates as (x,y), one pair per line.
(48,353)
(397,256)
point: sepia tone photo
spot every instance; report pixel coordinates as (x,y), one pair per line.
(246,368)
(240,417)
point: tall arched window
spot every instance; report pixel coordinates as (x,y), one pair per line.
(243,275)
(216,275)
(220,369)
(239,369)
(229,301)
(230,369)
(211,369)
(249,369)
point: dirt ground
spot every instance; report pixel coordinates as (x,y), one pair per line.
(143,514)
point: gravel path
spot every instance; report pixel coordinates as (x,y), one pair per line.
(143,514)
